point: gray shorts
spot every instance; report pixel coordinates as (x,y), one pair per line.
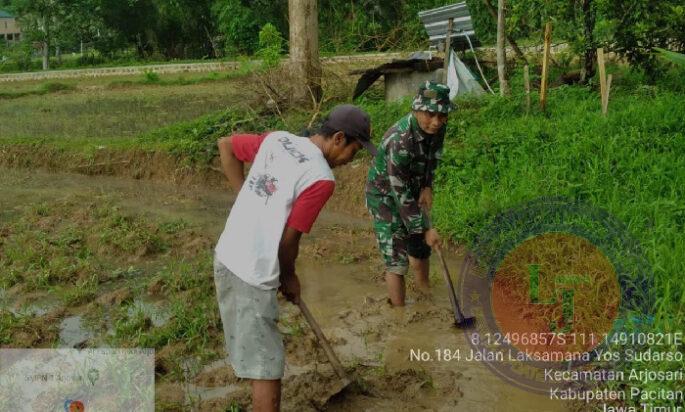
(249,315)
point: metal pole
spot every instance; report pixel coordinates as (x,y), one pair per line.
(448,41)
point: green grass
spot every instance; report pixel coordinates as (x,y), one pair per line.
(194,321)
(74,246)
(153,78)
(109,112)
(629,163)
(44,88)
(76,249)
(8,323)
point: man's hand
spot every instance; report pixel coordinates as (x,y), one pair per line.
(432,237)
(426,199)
(290,288)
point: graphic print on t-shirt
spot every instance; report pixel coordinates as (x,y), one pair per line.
(263,185)
(291,150)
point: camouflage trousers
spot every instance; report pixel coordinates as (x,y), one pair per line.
(394,242)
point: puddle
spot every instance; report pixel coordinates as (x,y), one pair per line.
(200,393)
(335,288)
(211,383)
(154,310)
(37,309)
(72,332)
(28,305)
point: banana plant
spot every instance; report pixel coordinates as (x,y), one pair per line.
(673,57)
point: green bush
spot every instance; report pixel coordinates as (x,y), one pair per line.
(195,140)
(18,58)
(151,77)
(270,46)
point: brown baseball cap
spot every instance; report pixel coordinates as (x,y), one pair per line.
(354,122)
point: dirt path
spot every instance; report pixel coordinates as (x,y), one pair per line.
(340,274)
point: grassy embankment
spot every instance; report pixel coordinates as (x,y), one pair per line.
(630,164)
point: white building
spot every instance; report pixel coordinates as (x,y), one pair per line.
(9,29)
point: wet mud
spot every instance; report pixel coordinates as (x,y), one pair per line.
(341,277)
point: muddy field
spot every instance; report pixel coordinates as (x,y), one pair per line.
(99,261)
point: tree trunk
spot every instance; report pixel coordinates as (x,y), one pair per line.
(212,42)
(46,42)
(46,55)
(589,16)
(511,41)
(501,52)
(139,46)
(304,48)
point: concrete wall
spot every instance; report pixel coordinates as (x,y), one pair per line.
(399,85)
(372,59)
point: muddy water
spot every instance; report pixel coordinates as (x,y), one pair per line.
(384,337)
(73,332)
(373,340)
(153,309)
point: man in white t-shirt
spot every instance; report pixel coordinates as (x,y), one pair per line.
(288,184)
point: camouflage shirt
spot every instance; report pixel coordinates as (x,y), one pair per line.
(405,164)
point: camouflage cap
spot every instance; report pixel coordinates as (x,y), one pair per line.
(433,97)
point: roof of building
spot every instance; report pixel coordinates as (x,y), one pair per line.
(5,15)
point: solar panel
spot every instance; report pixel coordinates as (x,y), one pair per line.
(435,21)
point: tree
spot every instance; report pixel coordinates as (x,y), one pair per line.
(590,46)
(511,41)
(128,23)
(270,46)
(184,28)
(501,51)
(38,19)
(637,29)
(304,48)
(239,22)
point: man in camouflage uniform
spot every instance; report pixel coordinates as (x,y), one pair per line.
(399,188)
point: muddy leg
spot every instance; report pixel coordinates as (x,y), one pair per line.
(266,395)
(421,270)
(395,284)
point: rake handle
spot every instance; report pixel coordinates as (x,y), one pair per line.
(323,342)
(446,274)
(448,280)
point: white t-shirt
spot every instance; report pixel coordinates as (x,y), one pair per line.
(284,167)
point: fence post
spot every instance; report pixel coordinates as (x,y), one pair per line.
(545,66)
(448,41)
(526,82)
(604,81)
